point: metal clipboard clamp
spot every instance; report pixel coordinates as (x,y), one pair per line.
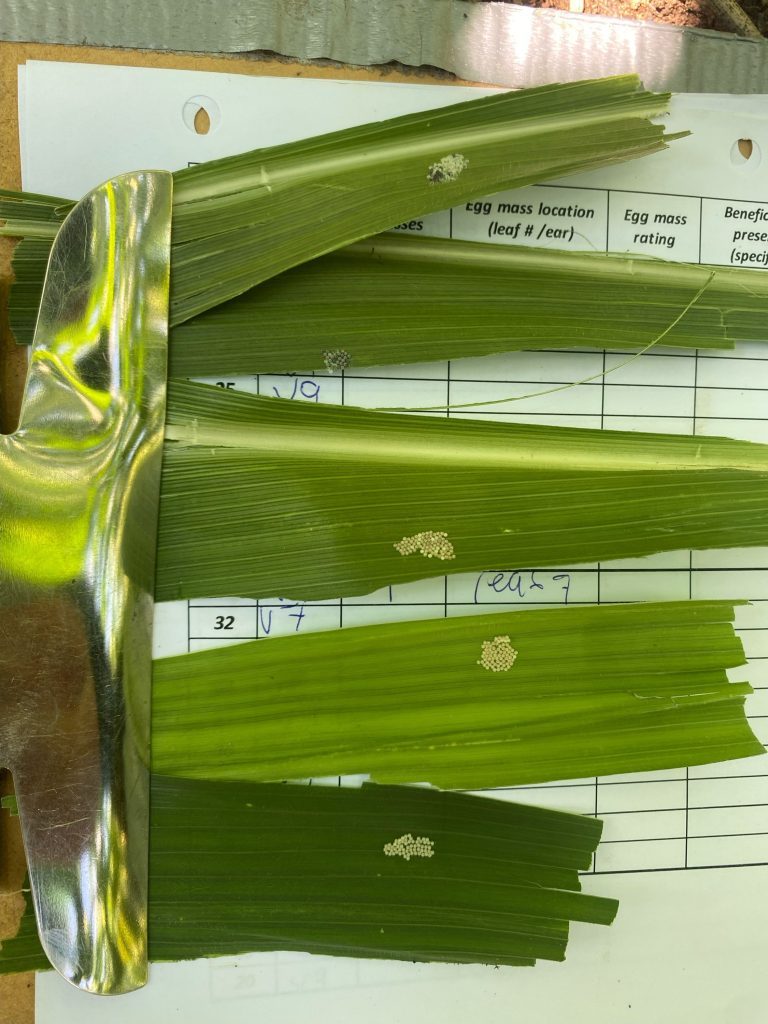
(79,486)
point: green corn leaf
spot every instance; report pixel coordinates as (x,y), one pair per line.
(238,868)
(23,952)
(30,260)
(263,497)
(400,299)
(243,219)
(9,804)
(32,215)
(591,691)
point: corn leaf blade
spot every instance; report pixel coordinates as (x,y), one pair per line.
(399,299)
(264,497)
(241,220)
(594,690)
(238,868)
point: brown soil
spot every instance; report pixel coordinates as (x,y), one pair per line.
(691,13)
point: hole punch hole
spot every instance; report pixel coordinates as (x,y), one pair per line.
(201,115)
(202,121)
(746,155)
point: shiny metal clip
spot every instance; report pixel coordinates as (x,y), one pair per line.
(79,485)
